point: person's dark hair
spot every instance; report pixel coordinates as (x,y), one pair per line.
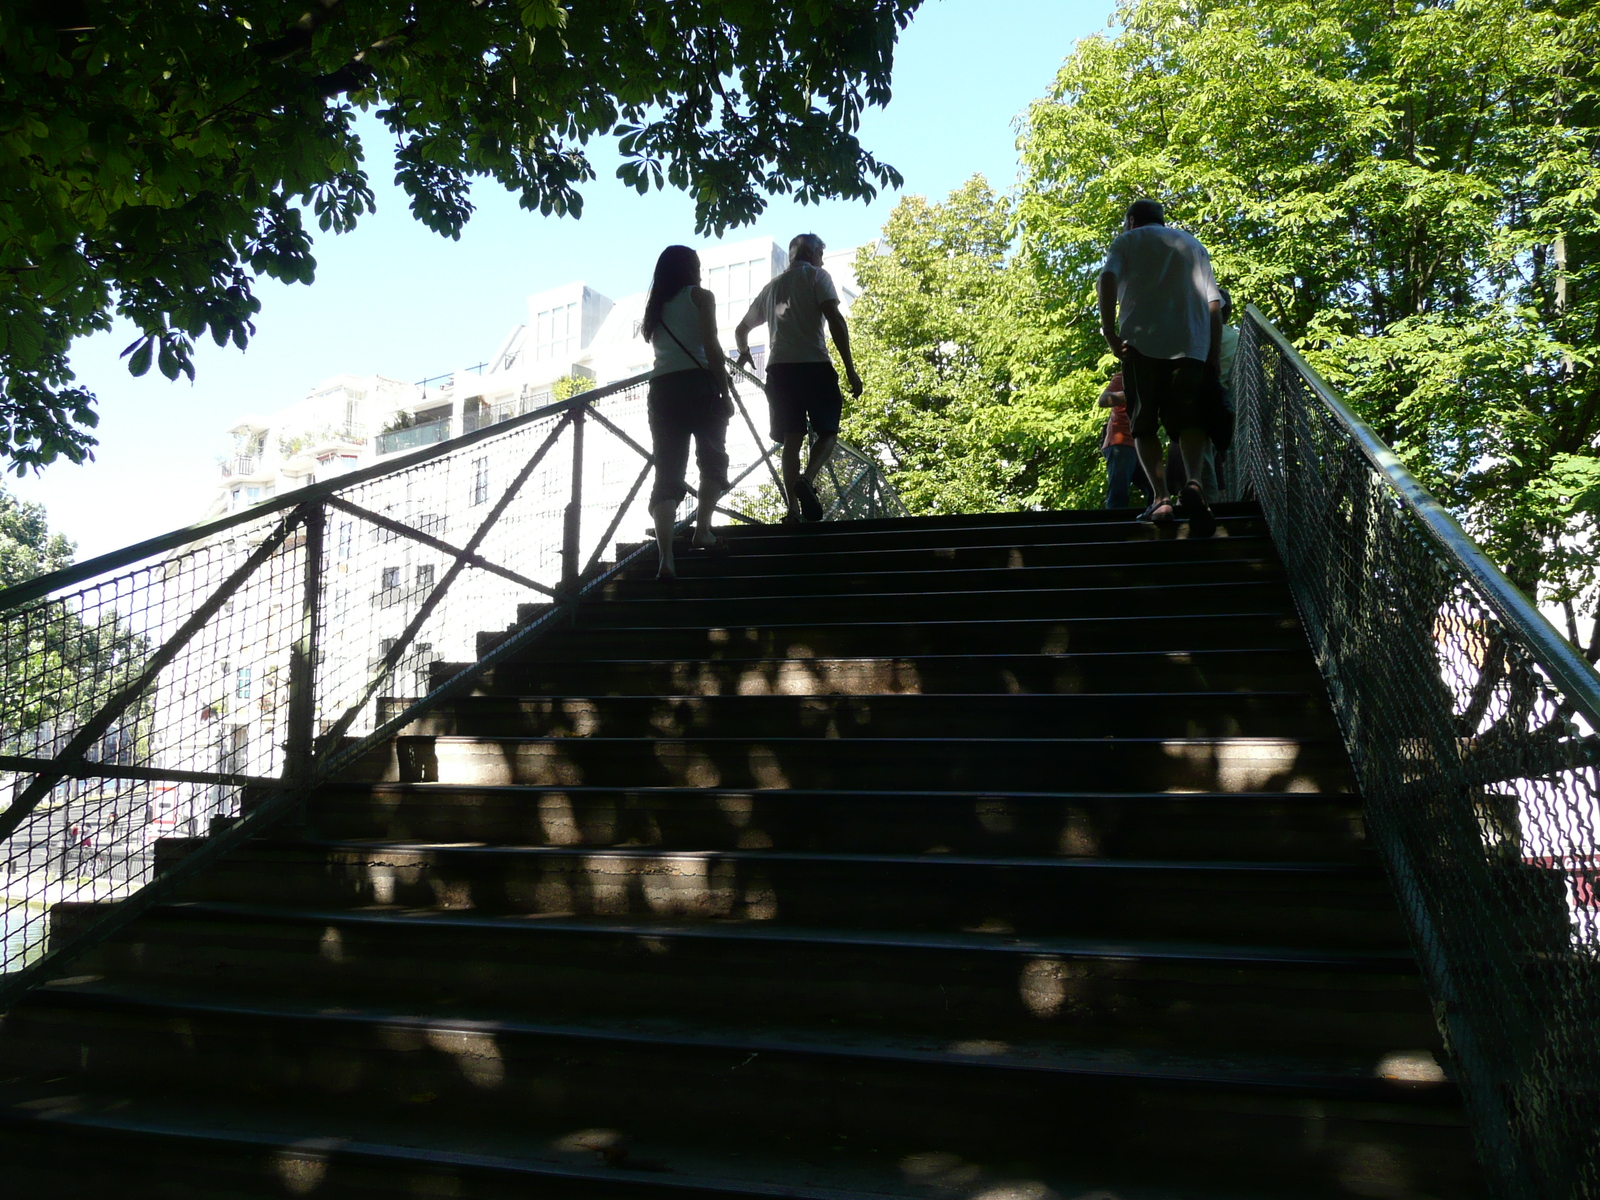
(803,241)
(1227,303)
(676,269)
(1145,212)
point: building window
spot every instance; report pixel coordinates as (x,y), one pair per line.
(252,494)
(480,480)
(556,333)
(391,578)
(347,539)
(241,683)
(734,286)
(425,577)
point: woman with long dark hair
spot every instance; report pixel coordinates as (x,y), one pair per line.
(689,397)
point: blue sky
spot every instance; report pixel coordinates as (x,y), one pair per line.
(391,297)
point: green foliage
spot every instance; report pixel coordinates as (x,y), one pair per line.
(973,398)
(1409,193)
(158,156)
(27,547)
(58,663)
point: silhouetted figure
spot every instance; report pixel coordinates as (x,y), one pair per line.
(1160,311)
(689,397)
(802,385)
(1116,447)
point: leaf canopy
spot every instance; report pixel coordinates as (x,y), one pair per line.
(158,156)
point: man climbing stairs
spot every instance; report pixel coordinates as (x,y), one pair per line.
(991,857)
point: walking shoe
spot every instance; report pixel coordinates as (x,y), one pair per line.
(810,504)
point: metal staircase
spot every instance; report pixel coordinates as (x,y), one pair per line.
(997,856)
(404,837)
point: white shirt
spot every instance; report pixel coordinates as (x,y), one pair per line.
(791,304)
(680,315)
(1164,292)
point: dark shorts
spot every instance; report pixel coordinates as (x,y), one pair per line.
(1169,392)
(684,405)
(802,392)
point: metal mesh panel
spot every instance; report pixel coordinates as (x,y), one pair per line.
(192,680)
(1478,764)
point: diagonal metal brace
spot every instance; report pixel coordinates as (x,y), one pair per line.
(433,543)
(331,738)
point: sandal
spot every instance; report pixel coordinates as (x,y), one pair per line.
(1160,512)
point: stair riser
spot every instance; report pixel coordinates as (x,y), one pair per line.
(1065,604)
(722,579)
(1070,901)
(747,562)
(759,1099)
(842,540)
(752,560)
(1320,828)
(860,763)
(1035,674)
(952,991)
(1193,715)
(993,633)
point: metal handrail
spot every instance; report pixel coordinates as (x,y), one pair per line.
(1471,726)
(1555,653)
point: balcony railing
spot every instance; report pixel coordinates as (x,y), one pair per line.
(410,438)
(241,464)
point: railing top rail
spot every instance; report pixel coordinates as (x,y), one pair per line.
(43,585)
(1557,655)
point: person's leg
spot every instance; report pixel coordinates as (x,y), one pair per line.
(822,448)
(786,405)
(1149,447)
(1121,462)
(711,453)
(1192,442)
(792,442)
(661,514)
(669,443)
(824,406)
(1145,378)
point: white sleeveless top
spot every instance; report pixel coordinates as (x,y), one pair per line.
(683,318)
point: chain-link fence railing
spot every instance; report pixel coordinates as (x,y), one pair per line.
(197,684)
(1472,725)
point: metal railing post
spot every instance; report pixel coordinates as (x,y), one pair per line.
(300,746)
(574,516)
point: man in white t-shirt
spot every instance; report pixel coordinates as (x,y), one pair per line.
(802,386)
(1168,335)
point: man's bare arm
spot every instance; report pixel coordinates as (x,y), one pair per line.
(841,339)
(1107,290)
(741,336)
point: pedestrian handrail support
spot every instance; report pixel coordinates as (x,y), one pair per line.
(1472,726)
(203,682)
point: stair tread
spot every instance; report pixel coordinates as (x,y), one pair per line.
(535,1157)
(1277,1072)
(1330,869)
(1387,960)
